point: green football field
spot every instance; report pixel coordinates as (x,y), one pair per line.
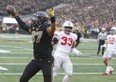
(16,53)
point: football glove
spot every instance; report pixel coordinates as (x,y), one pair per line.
(50,12)
(76,52)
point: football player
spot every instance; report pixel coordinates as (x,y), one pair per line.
(79,35)
(110,51)
(101,40)
(64,41)
(42,32)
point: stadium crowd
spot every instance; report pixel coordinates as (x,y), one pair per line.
(88,15)
(26,6)
(92,15)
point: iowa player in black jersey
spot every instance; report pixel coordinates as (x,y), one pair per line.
(42,33)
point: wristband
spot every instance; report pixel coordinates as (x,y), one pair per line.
(15,15)
(53,19)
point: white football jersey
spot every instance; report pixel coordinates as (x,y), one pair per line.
(65,42)
(111,39)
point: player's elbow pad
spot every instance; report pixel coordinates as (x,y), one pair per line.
(76,52)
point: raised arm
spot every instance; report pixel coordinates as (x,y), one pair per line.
(12,11)
(22,24)
(52,28)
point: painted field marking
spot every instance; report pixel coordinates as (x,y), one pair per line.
(16,47)
(3,68)
(70,57)
(76,73)
(14,57)
(4,51)
(73,64)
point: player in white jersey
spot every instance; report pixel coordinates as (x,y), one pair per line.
(110,51)
(64,41)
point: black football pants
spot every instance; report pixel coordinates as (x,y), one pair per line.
(101,42)
(35,66)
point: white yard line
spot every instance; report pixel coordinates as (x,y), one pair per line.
(70,57)
(3,68)
(16,47)
(89,64)
(4,51)
(13,63)
(89,58)
(73,64)
(76,73)
(15,57)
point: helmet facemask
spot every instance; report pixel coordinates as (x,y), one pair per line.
(39,18)
(35,21)
(68,27)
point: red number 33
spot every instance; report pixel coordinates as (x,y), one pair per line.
(66,40)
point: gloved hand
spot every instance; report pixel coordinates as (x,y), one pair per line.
(104,45)
(11,10)
(50,12)
(76,52)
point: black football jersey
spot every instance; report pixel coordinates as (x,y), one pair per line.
(42,47)
(41,43)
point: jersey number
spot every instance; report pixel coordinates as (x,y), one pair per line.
(36,36)
(66,40)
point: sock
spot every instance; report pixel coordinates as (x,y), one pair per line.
(66,78)
(108,69)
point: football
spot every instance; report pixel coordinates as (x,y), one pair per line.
(10,10)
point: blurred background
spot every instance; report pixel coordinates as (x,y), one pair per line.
(87,15)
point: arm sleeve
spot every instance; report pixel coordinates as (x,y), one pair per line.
(22,24)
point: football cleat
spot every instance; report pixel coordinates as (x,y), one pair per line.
(111,70)
(106,73)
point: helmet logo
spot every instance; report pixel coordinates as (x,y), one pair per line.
(69,23)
